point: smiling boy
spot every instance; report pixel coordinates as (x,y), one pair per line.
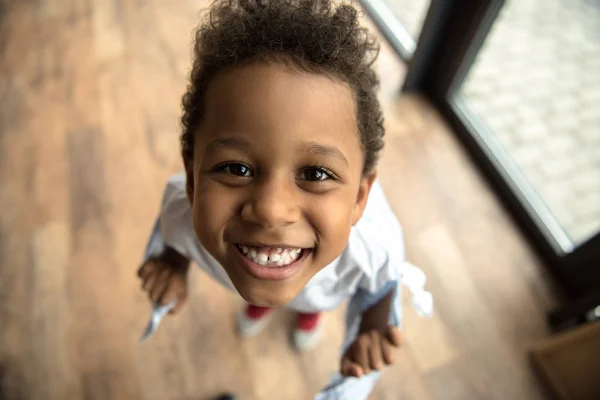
(279,201)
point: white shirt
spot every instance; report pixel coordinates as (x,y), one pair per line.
(373,257)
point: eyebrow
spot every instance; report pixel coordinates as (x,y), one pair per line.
(313,148)
(236,142)
(319,149)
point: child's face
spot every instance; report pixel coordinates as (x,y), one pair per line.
(276,181)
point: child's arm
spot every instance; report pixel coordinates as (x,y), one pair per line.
(167,256)
(164,277)
(376,343)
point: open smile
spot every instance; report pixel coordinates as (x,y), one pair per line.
(271,263)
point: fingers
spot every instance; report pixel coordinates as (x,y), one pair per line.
(180,302)
(394,335)
(371,351)
(362,354)
(145,269)
(350,368)
(146,273)
(176,289)
(160,285)
(172,290)
(163,284)
(375,349)
(388,351)
(393,340)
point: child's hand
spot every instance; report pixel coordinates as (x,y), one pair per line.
(163,282)
(371,351)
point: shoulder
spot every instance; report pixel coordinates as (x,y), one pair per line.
(175,201)
(176,214)
(378,231)
(376,243)
(175,187)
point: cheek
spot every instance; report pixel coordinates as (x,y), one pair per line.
(212,209)
(332,218)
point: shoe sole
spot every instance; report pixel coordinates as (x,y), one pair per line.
(304,341)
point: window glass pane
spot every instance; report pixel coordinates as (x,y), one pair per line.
(536,84)
(410,13)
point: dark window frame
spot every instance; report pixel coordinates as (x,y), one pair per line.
(394,32)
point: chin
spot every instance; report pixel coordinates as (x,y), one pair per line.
(265,295)
(261,302)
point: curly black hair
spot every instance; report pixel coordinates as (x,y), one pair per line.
(315,36)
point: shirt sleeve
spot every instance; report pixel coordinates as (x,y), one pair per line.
(380,268)
(387,268)
(378,243)
(175,218)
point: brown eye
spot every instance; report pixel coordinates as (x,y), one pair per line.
(237,169)
(315,174)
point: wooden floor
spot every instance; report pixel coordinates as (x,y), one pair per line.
(89,107)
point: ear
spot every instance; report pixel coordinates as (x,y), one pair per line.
(188,164)
(364,189)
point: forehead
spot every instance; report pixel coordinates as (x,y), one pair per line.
(266,97)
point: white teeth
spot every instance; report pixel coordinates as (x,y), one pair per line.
(287,259)
(279,257)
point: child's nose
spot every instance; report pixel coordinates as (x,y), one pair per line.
(273,203)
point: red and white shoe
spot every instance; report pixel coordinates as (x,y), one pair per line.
(253,319)
(308,331)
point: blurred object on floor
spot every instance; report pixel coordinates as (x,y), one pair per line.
(570,361)
(226,397)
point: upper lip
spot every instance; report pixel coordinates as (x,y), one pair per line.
(272,245)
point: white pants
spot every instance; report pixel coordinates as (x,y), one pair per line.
(350,388)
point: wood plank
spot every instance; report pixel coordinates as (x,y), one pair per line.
(50,315)
(403,380)
(98,338)
(430,340)
(108,29)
